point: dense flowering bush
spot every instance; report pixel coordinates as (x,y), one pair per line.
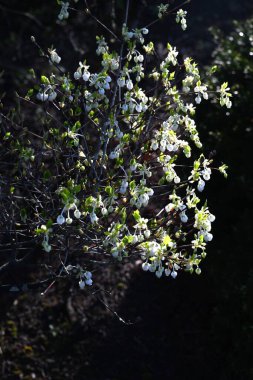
(233,61)
(116,167)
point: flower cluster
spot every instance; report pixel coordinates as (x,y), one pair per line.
(47,93)
(54,57)
(181,18)
(225,96)
(129,145)
(64,14)
(162,9)
(85,279)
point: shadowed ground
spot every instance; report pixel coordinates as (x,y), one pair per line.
(191,327)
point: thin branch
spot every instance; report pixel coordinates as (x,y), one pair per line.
(88,12)
(167,13)
(113,311)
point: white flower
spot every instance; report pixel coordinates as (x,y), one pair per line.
(86,76)
(114,64)
(208,236)
(147,234)
(183,24)
(201,185)
(154,248)
(88,278)
(93,217)
(138,108)
(183,217)
(176,267)
(121,82)
(104,211)
(123,187)
(119,133)
(129,84)
(154,145)
(145,31)
(162,9)
(77,75)
(228,103)
(171,147)
(159,272)
(143,199)
(174,274)
(64,14)
(206,173)
(169,207)
(130,35)
(52,96)
(124,107)
(47,247)
(82,284)
(152,267)
(69,220)
(77,214)
(42,96)
(198,99)
(54,57)
(224,96)
(167,272)
(88,275)
(110,209)
(145,266)
(211,217)
(113,155)
(133,167)
(60,219)
(89,282)
(181,14)
(115,252)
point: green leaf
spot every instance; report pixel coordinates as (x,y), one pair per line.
(109,190)
(44,79)
(49,223)
(136,215)
(65,194)
(166,240)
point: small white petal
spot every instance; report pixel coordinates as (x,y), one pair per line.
(77,75)
(81,284)
(145,266)
(77,214)
(60,219)
(86,76)
(174,274)
(89,282)
(167,272)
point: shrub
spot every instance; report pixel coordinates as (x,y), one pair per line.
(112,166)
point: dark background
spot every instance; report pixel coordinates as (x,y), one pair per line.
(191,327)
